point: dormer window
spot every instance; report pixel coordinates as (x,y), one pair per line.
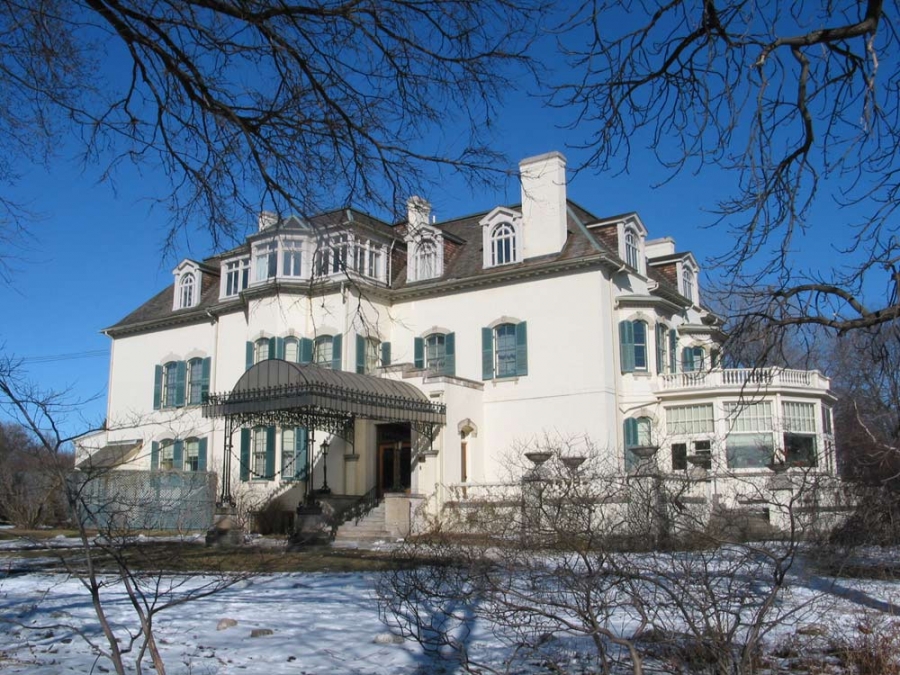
(236,276)
(502,240)
(186,291)
(687,283)
(188,277)
(503,244)
(265,256)
(632,251)
(426,260)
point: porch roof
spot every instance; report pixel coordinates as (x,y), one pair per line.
(277,385)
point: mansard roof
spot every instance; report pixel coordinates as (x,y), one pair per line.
(463,264)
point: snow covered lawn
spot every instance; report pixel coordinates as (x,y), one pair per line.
(319,623)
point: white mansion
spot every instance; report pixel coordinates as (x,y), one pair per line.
(416,356)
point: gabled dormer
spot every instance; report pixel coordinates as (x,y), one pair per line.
(502,237)
(424,243)
(626,235)
(680,270)
(188,283)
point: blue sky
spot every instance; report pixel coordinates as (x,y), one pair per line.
(95,254)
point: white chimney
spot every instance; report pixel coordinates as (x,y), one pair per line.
(544,203)
(267,219)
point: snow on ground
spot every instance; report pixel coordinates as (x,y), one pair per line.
(319,623)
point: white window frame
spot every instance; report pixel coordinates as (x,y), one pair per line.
(260,347)
(632,248)
(750,420)
(235,276)
(502,217)
(265,256)
(504,247)
(167,454)
(192,454)
(194,381)
(291,258)
(186,292)
(169,388)
(696,419)
(372,354)
(319,350)
(258,440)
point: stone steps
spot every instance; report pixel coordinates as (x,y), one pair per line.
(369,529)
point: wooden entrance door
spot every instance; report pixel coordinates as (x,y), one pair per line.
(394,467)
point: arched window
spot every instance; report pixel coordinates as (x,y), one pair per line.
(637,435)
(687,283)
(631,248)
(291,349)
(186,291)
(503,244)
(261,349)
(323,353)
(435,352)
(426,260)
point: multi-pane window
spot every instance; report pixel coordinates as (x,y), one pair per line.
(195,381)
(192,454)
(637,435)
(506,350)
(291,349)
(687,283)
(633,345)
(631,248)
(291,258)
(799,421)
(689,420)
(266,260)
(426,260)
(749,441)
(186,296)
(261,350)
(167,455)
(661,339)
(372,348)
(258,452)
(435,352)
(503,244)
(288,450)
(237,276)
(170,385)
(323,352)
(693,359)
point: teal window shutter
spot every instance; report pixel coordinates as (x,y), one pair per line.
(521,348)
(157,387)
(660,348)
(249,356)
(360,354)
(673,350)
(201,455)
(626,346)
(273,349)
(154,456)
(419,353)
(204,379)
(450,354)
(631,441)
(487,353)
(279,348)
(385,353)
(687,360)
(336,343)
(180,381)
(306,350)
(270,454)
(301,440)
(245,454)
(178,456)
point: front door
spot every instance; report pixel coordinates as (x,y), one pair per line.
(394,475)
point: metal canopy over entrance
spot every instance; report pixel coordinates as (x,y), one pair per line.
(279,393)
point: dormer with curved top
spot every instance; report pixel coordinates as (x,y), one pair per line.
(424,243)
(188,282)
(502,237)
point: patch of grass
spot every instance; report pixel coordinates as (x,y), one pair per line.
(874,650)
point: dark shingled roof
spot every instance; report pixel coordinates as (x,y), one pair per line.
(464,260)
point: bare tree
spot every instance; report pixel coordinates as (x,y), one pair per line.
(110,560)
(240,104)
(581,568)
(798,101)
